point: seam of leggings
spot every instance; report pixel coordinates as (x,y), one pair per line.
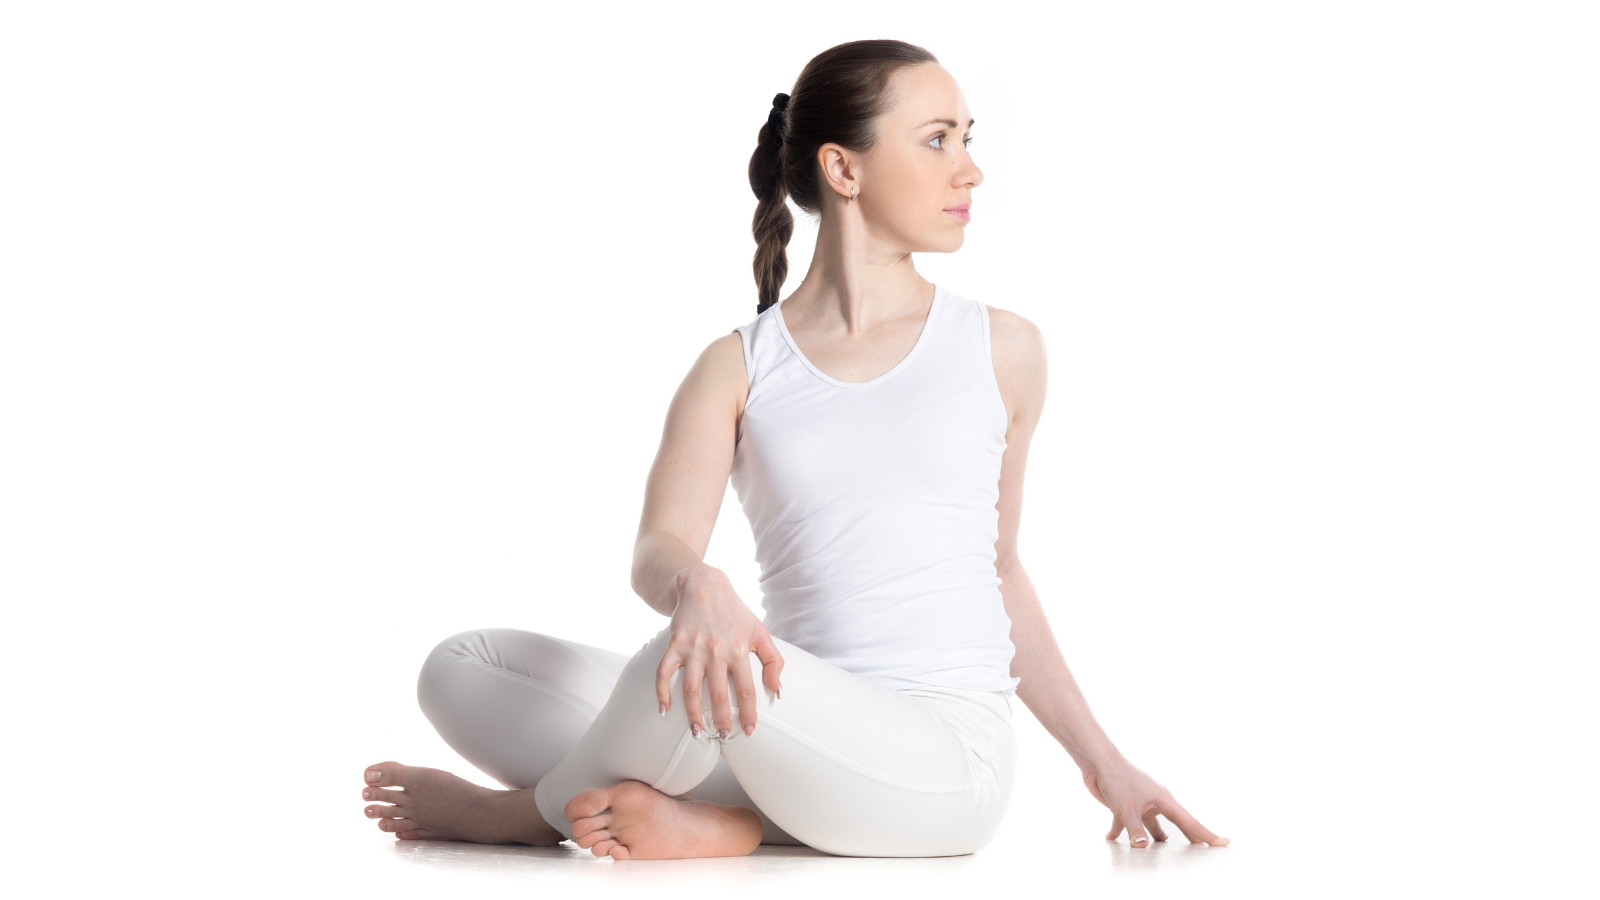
(677,757)
(973,786)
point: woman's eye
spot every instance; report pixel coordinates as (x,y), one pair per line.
(938,142)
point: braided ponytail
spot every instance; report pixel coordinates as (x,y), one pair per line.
(836,100)
(773,224)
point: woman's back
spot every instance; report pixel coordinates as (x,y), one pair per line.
(873,503)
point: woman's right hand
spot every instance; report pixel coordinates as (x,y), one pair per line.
(713,635)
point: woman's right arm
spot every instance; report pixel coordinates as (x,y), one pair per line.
(713,631)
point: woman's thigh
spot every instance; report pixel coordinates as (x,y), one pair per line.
(514,702)
(840,762)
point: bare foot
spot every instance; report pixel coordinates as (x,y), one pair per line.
(433,805)
(632,820)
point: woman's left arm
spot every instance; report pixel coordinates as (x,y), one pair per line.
(1047,685)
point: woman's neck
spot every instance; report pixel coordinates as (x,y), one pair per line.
(855,282)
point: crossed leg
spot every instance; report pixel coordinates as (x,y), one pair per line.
(513,703)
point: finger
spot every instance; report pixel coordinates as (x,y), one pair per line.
(771,661)
(1132,821)
(1188,824)
(671,662)
(693,672)
(744,686)
(721,718)
(1116,828)
(1153,826)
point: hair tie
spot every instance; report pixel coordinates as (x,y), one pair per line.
(775,117)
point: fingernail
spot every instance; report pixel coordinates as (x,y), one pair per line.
(749,730)
(723,734)
(779,692)
(663,709)
(372,777)
(694,728)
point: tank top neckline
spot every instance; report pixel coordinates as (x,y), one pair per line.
(922,339)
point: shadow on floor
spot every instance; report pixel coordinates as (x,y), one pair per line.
(568,860)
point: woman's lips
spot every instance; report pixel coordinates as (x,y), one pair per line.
(962,211)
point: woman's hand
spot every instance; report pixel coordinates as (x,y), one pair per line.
(713,634)
(1134,799)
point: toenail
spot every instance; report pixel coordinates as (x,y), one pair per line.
(371,813)
(366,795)
(372,777)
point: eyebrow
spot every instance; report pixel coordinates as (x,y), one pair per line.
(949,122)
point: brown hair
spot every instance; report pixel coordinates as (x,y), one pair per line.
(836,100)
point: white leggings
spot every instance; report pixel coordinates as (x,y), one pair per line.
(840,763)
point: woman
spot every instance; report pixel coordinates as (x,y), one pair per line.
(875,427)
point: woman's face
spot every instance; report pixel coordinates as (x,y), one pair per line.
(916,184)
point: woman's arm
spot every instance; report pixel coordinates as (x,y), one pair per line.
(713,631)
(1047,685)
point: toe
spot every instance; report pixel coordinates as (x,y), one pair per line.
(604,848)
(386,774)
(394,825)
(592,823)
(587,804)
(381,795)
(419,834)
(378,811)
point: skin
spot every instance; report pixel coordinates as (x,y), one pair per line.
(858,312)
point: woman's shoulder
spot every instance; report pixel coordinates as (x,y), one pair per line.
(1015,336)
(1017,346)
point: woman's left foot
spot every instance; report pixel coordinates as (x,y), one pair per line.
(434,805)
(633,820)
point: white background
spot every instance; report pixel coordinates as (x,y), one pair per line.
(333,329)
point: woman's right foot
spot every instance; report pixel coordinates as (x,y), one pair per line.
(434,805)
(633,820)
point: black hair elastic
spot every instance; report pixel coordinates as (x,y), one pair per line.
(775,117)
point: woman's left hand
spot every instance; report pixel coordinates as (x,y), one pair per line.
(1135,799)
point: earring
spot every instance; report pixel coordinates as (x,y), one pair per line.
(852,193)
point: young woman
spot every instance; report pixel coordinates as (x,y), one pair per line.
(876,428)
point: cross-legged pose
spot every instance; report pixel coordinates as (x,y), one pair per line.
(875,427)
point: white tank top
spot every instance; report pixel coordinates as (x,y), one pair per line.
(873,503)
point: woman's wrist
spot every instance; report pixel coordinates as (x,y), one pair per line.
(1093,753)
(688,574)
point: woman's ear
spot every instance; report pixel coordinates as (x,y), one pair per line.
(838,169)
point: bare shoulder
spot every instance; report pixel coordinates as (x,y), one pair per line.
(718,376)
(1015,337)
(1019,358)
